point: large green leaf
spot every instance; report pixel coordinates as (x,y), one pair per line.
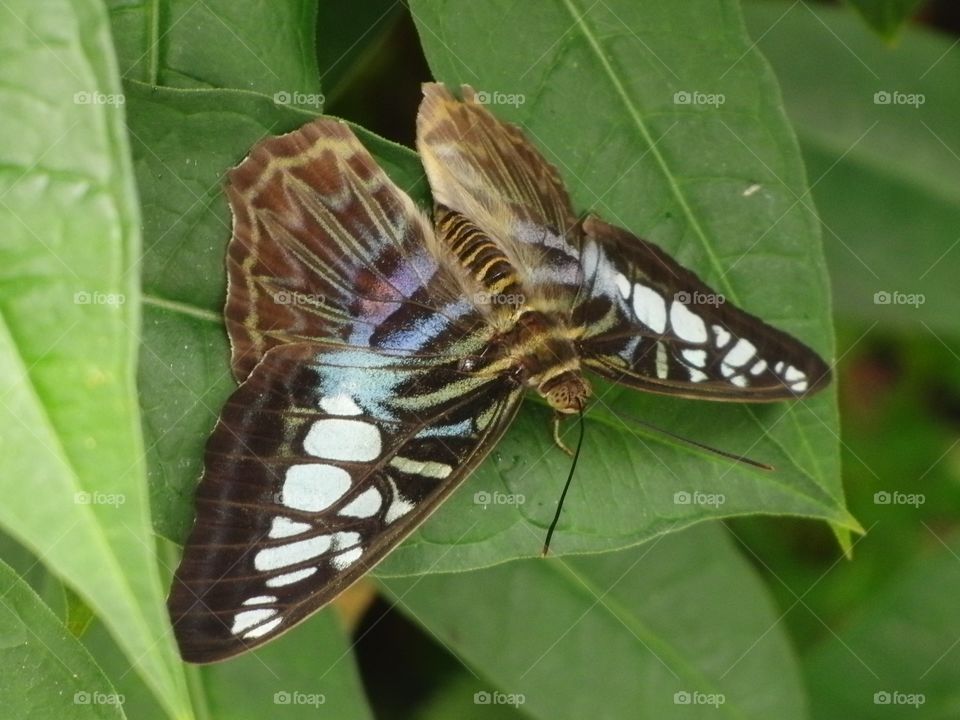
(184,141)
(898,657)
(886,175)
(649,632)
(47,673)
(220,44)
(610,92)
(69,327)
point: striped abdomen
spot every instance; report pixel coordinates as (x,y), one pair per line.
(480,256)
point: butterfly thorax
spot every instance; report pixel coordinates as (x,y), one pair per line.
(541,347)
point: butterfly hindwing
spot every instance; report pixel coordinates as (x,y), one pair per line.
(487,170)
(321,462)
(652,324)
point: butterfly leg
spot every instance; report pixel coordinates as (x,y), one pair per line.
(557,417)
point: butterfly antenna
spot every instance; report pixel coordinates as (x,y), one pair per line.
(693,443)
(563,495)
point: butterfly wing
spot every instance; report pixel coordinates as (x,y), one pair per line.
(326,246)
(651,324)
(321,462)
(487,170)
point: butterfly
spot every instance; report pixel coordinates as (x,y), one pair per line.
(382,353)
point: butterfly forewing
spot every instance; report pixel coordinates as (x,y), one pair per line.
(327,247)
(652,324)
(321,462)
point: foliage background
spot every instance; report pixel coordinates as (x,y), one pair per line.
(829,169)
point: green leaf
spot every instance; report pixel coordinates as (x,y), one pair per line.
(900,651)
(682,618)
(886,175)
(722,189)
(47,673)
(69,328)
(886,17)
(309,673)
(221,44)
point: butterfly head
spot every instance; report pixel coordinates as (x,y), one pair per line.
(567,392)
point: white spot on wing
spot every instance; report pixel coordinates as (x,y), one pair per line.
(427,468)
(261,600)
(314,486)
(292,553)
(336,439)
(340,404)
(758,367)
(290,577)
(686,325)
(282,527)
(346,559)
(649,308)
(739,380)
(623,285)
(792,374)
(741,353)
(248,618)
(263,629)
(697,375)
(400,505)
(696,357)
(799,386)
(663,367)
(722,336)
(364,505)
